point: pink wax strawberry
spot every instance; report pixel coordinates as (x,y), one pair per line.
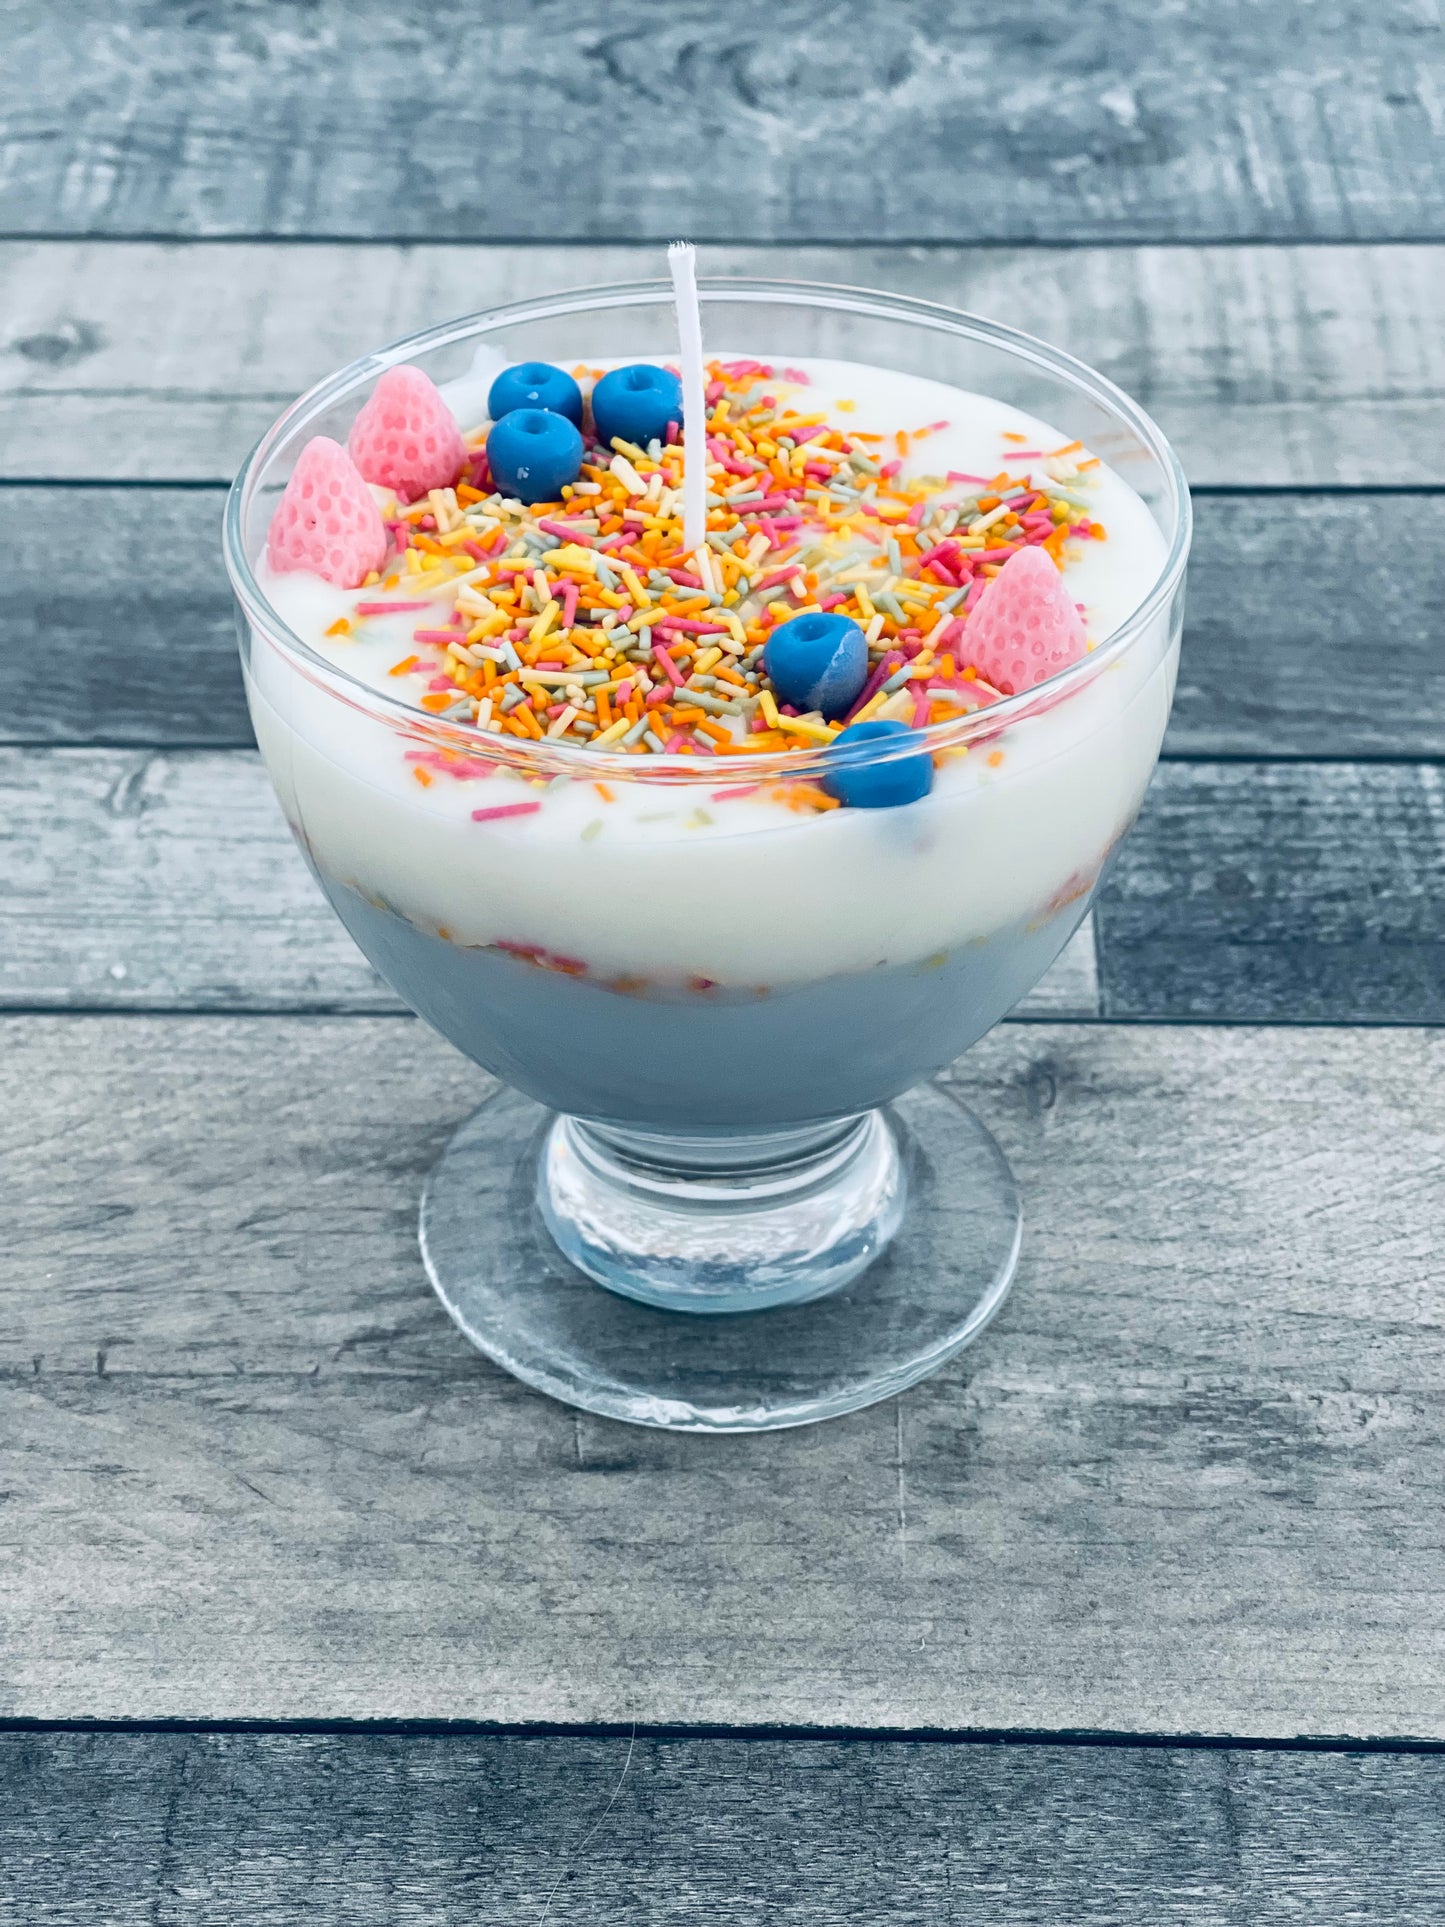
(327,521)
(1025,626)
(405,437)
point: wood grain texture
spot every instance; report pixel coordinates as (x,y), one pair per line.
(1267,366)
(1312,626)
(1189,1483)
(1266,891)
(365,120)
(170,1830)
(1249,891)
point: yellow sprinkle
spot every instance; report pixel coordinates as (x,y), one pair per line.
(811,726)
(607,736)
(769,709)
(570,556)
(635,589)
(544,621)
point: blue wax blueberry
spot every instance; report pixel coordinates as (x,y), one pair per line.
(818,662)
(636,403)
(535,384)
(865,785)
(532,454)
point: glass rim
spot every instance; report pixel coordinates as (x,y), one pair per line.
(553,758)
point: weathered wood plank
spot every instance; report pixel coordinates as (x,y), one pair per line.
(158,1829)
(1268,366)
(1254,891)
(1288,597)
(364,119)
(1265,891)
(1312,628)
(1189,1483)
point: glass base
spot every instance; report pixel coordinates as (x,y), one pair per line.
(861,1303)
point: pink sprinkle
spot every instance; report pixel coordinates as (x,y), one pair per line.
(714,393)
(672,434)
(676,740)
(496,814)
(623,693)
(769,529)
(772,581)
(567,534)
(803,379)
(974,481)
(655,696)
(690,627)
(948,633)
(670,668)
(476,551)
(685,578)
(831,601)
(739,789)
(570,593)
(388,608)
(874,683)
(439,683)
(920,708)
(806,435)
(890,469)
(439,636)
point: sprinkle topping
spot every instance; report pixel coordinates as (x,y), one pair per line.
(586,620)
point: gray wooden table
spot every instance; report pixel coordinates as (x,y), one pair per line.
(1134,1614)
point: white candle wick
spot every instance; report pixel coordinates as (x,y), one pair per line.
(682,259)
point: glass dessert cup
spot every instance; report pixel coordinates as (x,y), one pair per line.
(716,1016)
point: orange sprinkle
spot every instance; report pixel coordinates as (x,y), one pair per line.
(1010,436)
(437,702)
(995,757)
(404,667)
(341,627)
(422,777)
(603,791)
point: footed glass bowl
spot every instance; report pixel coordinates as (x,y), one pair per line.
(716,1190)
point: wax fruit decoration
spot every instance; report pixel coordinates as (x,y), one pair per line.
(327,520)
(818,662)
(533,454)
(636,404)
(861,782)
(1026,626)
(535,384)
(405,437)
